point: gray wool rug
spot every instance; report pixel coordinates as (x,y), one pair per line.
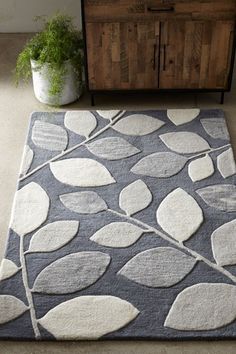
(123,227)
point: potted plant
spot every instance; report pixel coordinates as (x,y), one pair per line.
(54,59)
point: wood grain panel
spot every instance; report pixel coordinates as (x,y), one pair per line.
(193,44)
(121,55)
(197,54)
(138,10)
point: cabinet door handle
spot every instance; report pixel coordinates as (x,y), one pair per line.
(164,57)
(163,9)
(154,56)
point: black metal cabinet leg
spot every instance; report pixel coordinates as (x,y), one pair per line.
(222,98)
(92,100)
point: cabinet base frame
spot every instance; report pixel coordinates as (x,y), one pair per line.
(196,91)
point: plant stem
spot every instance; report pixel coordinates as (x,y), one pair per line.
(64,153)
(209,151)
(180,245)
(27,290)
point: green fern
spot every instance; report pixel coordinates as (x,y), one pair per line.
(58,42)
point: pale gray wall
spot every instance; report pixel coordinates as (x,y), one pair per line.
(17,15)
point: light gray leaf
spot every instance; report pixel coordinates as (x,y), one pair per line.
(8,269)
(49,136)
(160,164)
(219,196)
(135,197)
(84,202)
(160,267)
(53,236)
(28,156)
(224,245)
(203,307)
(182,116)
(216,128)
(72,273)
(179,215)
(113,148)
(201,168)
(80,122)
(11,308)
(30,208)
(117,235)
(138,124)
(226,163)
(90,317)
(185,142)
(108,114)
(81,172)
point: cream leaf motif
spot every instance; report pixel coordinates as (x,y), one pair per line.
(179,215)
(88,317)
(160,267)
(30,208)
(81,172)
(138,125)
(72,273)
(80,122)
(49,136)
(185,142)
(135,197)
(117,235)
(202,307)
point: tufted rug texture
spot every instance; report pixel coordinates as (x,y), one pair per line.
(123,227)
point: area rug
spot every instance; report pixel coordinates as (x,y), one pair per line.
(123,227)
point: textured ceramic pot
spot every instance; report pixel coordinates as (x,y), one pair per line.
(41,81)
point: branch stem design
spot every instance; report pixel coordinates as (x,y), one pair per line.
(27,290)
(179,245)
(209,151)
(66,152)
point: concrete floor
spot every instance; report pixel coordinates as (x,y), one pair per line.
(16,104)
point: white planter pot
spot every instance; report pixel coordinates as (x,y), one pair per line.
(41,81)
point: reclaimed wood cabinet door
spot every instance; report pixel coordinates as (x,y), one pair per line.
(195,54)
(123,55)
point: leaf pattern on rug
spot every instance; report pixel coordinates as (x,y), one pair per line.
(196,308)
(117,235)
(201,168)
(160,164)
(135,197)
(36,200)
(86,315)
(49,136)
(53,236)
(179,215)
(226,163)
(223,244)
(84,202)
(8,269)
(72,273)
(27,160)
(182,116)
(160,267)
(138,124)
(216,128)
(80,122)
(109,114)
(221,196)
(11,308)
(112,148)
(81,172)
(93,231)
(185,142)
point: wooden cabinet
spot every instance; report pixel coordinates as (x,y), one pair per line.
(195,54)
(159,44)
(123,55)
